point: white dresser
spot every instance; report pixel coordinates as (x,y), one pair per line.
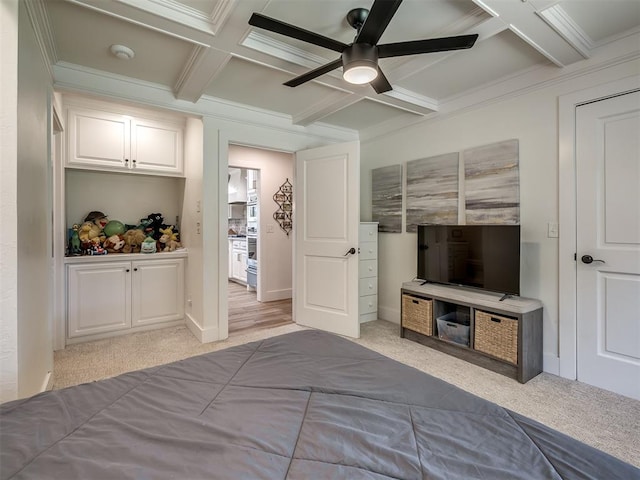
(368,271)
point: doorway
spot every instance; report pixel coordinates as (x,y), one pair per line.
(260,254)
(571,250)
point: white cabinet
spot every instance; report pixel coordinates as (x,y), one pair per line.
(103,140)
(110,296)
(368,271)
(239,260)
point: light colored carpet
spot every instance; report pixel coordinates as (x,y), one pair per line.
(599,418)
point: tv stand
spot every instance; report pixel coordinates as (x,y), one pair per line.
(503,333)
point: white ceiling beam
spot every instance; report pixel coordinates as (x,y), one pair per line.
(523,20)
(167,16)
(201,68)
(329,105)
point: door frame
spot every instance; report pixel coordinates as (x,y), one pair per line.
(567,267)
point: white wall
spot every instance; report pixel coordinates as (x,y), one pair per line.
(192,221)
(8,200)
(531,118)
(122,196)
(34,221)
(275,248)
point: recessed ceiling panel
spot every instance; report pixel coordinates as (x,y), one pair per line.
(203,6)
(599,20)
(252,84)
(414,20)
(488,61)
(83,37)
(365,114)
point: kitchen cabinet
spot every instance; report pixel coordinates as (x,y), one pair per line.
(109,295)
(239,260)
(103,140)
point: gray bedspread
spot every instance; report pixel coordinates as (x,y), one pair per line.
(306,405)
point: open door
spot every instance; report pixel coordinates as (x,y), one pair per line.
(327,215)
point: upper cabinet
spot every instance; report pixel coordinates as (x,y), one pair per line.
(106,140)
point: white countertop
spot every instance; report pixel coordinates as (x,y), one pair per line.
(126,257)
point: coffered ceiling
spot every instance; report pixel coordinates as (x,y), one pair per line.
(206,48)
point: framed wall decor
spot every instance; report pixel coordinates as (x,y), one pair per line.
(284,199)
(386,198)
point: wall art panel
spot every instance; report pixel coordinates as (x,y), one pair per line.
(386,197)
(492,191)
(432,191)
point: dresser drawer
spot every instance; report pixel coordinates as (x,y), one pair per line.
(368,268)
(368,286)
(367,304)
(368,232)
(368,250)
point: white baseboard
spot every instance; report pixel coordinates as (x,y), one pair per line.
(204,335)
(389,314)
(273,295)
(47,383)
(551,364)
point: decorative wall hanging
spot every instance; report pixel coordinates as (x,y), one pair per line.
(492,191)
(432,191)
(284,199)
(386,198)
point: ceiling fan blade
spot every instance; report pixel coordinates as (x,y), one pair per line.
(380,15)
(380,84)
(305,77)
(431,45)
(273,25)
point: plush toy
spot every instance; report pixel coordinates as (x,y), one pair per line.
(169,240)
(148,245)
(91,229)
(133,239)
(153,222)
(75,241)
(114,243)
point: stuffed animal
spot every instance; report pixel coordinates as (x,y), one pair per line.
(169,240)
(153,222)
(148,245)
(91,229)
(114,243)
(133,239)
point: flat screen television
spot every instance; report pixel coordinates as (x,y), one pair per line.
(479,256)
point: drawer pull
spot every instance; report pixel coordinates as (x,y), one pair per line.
(494,319)
(415,301)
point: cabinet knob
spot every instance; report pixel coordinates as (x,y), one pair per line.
(135,269)
(126,160)
(127,270)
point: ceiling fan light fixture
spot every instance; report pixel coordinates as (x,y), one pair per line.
(360,74)
(360,63)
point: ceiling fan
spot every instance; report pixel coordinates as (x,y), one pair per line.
(359,60)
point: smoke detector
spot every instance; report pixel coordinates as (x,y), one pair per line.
(122,52)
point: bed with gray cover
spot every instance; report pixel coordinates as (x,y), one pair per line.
(306,405)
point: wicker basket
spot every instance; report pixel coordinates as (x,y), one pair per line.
(497,336)
(417,314)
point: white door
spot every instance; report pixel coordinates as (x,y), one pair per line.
(608,231)
(326,218)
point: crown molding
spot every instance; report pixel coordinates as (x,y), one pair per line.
(276,48)
(221,14)
(39,19)
(77,79)
(413,98)
(563,24)
(517,85)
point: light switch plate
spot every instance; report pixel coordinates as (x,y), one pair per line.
(552,229)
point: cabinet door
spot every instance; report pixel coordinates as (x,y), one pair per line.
(98,298)
(98,139)
(157,291)
(242,274)
(156,147)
